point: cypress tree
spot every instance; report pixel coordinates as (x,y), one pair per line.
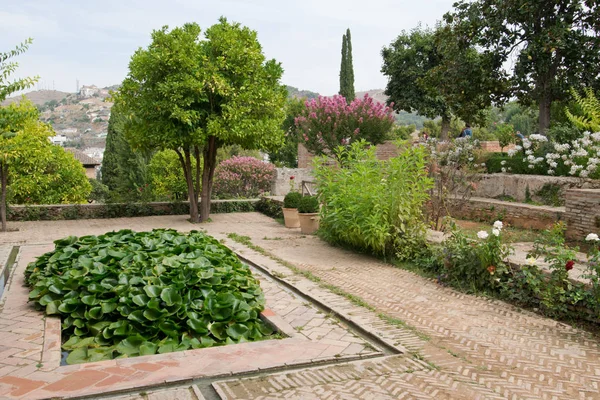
(346,69)
(110,163)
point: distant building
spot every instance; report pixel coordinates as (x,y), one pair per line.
(68,131)
(58,140)
(95,152)
(89,164)
(89,91)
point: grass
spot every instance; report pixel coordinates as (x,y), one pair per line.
(509,234)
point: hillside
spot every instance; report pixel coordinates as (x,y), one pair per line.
(294,92)
(81,117)
(39,97)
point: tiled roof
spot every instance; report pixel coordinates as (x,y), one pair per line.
(83,158)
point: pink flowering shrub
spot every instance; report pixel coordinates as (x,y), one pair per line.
(242,177)
(328,122)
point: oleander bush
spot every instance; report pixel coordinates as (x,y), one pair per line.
(242,177)
(126,293)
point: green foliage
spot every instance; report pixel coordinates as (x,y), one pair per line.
(373,205)
(401,132)
(473,265)
(166,177)
(563,133)
(287,155)
(551,48)
(551,194)
(99,191)
(431,73)
(269,207)
(292,200)
(589,120)
(505,134)
(186,93)
(7,68)
(41,173)
(295,93)
(124,171)
(308,205)
(347,69)
(127,294)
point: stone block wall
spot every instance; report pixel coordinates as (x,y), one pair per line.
(516,214)
(515,186)
(582,213)
(281,183)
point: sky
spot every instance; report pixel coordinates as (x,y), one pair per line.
(93,41)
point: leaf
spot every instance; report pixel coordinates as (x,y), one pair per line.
(148,348)
(153,314)
(153,291)
(130,346)
(95,313)
(137,316)
(236,331)
(108,307)
(199,326)
(52,307)
(77,356)
(170,296)
(140,299)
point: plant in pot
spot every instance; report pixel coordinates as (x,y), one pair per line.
(290,209)
(308,213)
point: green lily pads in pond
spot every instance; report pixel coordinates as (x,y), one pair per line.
(124,294)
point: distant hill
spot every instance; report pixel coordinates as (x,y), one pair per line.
(376,94)
(297,93)
(39,97)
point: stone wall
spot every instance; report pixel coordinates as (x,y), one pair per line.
(281,183)
(582,212)
(516,214)
(515,186)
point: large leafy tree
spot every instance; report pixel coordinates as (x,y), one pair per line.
(432,73)
(124,170)
(10,119)
(194,96)
(347,69)
(551,46)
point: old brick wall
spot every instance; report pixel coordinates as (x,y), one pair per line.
(582,212)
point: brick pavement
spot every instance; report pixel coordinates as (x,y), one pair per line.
(30,354)
(472,347)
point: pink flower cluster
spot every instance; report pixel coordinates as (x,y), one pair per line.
(242,177)
(328,122)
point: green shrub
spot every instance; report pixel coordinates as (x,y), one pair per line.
(99,191)
(269,207)
(292,200)
(308,205)
(373,205)
(124,294)
(551,194)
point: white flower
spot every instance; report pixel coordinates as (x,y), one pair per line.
(531,261)
(496,232)
(550,172)
(503,169)
(529,152)
(526,144)
(482,235)
(498,225)
(592,237)
(503,162)
(538,138)
(531,166)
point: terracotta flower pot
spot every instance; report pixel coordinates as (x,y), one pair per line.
(309,223)
(290,216)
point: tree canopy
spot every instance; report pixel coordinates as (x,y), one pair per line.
(430,72)
(551,46)
(347,69)
(194,96)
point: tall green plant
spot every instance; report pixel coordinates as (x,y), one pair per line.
(346,69)
(372,205)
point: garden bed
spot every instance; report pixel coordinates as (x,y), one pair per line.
(125,294)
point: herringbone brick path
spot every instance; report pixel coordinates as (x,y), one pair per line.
(477,347)
(515,353)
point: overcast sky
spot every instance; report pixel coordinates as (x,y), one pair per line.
(93,40)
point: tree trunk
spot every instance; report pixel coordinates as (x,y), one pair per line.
(210,163)
(186,164)
(3,178)
(544,120)
(445,128)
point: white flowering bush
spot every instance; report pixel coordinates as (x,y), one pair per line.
(580,157)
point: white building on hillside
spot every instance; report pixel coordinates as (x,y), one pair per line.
(58,140)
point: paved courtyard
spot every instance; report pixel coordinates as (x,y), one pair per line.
(380,332)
